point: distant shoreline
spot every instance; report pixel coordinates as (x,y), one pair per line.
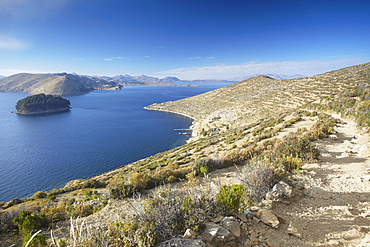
(183,114)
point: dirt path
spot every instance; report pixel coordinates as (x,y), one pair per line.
(335,210)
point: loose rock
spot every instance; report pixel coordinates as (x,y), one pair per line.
(280,191)
(214,231)
(183,242)
(268,218)
(294,230)
(232,225)
(190,234)
(272,242)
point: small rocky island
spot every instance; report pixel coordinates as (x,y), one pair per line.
(41,103)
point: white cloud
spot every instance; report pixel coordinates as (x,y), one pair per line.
(111,59)
(10,43)
(206,58)
(307,68)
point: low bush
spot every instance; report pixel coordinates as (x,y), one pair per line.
(28,223)
(121,190)
(235,157)
(258,176)
(166,214)
(6,223)
(56,212)
(80,210)
(142,181)
(231,198)
(39,194)
(294,145)
(208,165)
(290,163)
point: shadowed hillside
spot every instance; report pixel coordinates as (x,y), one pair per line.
(54,84)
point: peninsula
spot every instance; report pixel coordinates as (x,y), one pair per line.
(41,103)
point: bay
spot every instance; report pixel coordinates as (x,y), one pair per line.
(104,130)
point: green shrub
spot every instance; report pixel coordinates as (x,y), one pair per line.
(235,157)
(93,183)
(39,194)
(231,197)
(295,146)
(121,190)
(290,163)
(142,181)
(80,210)
(28,222)
(55,213)
(37,241)
(52,198)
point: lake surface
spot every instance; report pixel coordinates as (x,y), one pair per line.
(104,130)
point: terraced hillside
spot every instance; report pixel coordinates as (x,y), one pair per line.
(300,177)
(262,97)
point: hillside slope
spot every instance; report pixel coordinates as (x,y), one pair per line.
(262,97)
(54,84)
(298,178)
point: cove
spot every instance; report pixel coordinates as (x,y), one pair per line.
(103,130)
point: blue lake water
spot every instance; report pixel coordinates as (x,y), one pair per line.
(104,130)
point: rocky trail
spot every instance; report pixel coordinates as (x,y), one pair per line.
(334,209)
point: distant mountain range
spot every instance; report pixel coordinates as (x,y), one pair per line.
(140,80)
(74,84)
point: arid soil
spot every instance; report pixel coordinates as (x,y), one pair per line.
(334,209)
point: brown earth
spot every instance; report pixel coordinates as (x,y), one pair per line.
(333,211)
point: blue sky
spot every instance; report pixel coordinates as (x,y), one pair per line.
(190,39)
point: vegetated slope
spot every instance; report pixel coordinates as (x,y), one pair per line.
(267,152)
(42,103)
(54,84)
(262,97)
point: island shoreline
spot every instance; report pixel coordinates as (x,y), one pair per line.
(43,112)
